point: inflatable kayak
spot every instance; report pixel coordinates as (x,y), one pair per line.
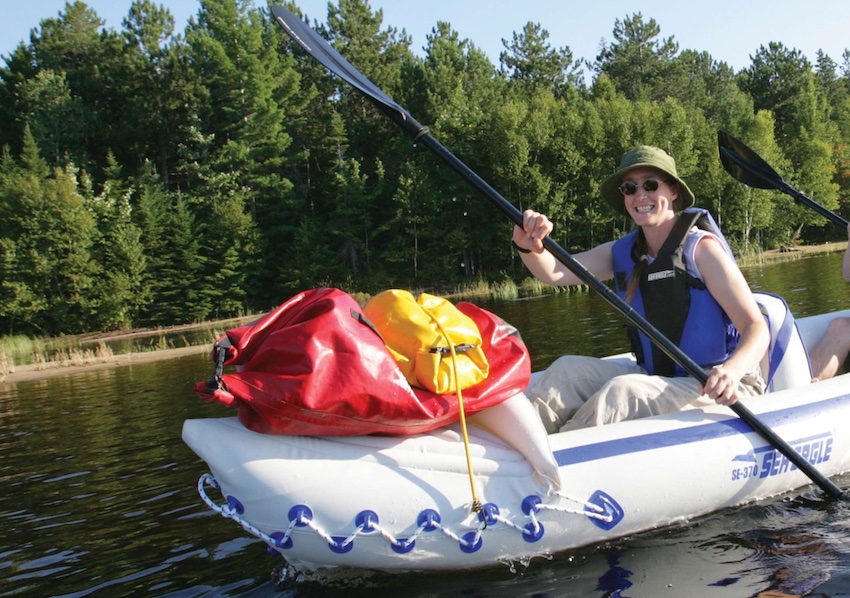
(402,503)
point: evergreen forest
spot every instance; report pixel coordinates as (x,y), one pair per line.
(151,176)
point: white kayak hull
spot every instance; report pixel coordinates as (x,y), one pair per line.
(404,503)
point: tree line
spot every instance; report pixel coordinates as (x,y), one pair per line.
(156,177)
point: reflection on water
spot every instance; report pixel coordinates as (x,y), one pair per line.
(810,286)
(554,325)
(99,493)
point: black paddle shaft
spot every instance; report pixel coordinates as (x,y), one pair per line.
(318,48)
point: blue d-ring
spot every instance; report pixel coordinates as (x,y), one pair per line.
(429,520)
(299,513)
(367,519)
(468,546)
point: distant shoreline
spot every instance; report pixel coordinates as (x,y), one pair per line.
(790,253)
(51,369)
(29,372)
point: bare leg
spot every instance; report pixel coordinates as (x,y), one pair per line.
(830,354)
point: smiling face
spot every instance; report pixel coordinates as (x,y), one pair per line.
(648,197)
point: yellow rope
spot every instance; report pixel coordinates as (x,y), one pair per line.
(476,504)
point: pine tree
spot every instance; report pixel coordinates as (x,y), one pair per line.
(48,236)
(636,61)
(530,63)
(122,288)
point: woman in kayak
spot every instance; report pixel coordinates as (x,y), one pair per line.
(710,308)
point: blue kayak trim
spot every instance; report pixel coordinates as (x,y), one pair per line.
(699,433)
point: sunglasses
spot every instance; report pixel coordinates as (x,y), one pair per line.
(630,188)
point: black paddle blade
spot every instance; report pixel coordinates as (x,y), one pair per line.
(317,47)
(749,168)
(746,165)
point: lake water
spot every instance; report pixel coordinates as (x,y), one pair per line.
(99,492)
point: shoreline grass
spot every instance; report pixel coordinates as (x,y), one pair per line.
(85,349)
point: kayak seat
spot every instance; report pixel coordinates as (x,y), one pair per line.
(786,364)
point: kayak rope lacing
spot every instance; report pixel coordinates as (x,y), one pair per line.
(367,522)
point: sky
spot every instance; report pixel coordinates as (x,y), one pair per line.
(729,30)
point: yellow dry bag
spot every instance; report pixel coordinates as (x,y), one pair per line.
(419,334)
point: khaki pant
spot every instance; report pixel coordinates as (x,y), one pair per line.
(579,391)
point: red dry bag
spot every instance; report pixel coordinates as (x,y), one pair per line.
(315,366)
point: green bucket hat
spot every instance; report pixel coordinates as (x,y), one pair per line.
(644,156)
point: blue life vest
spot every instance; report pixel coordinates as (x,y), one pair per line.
(675,302)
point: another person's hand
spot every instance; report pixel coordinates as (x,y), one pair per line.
(535,228)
